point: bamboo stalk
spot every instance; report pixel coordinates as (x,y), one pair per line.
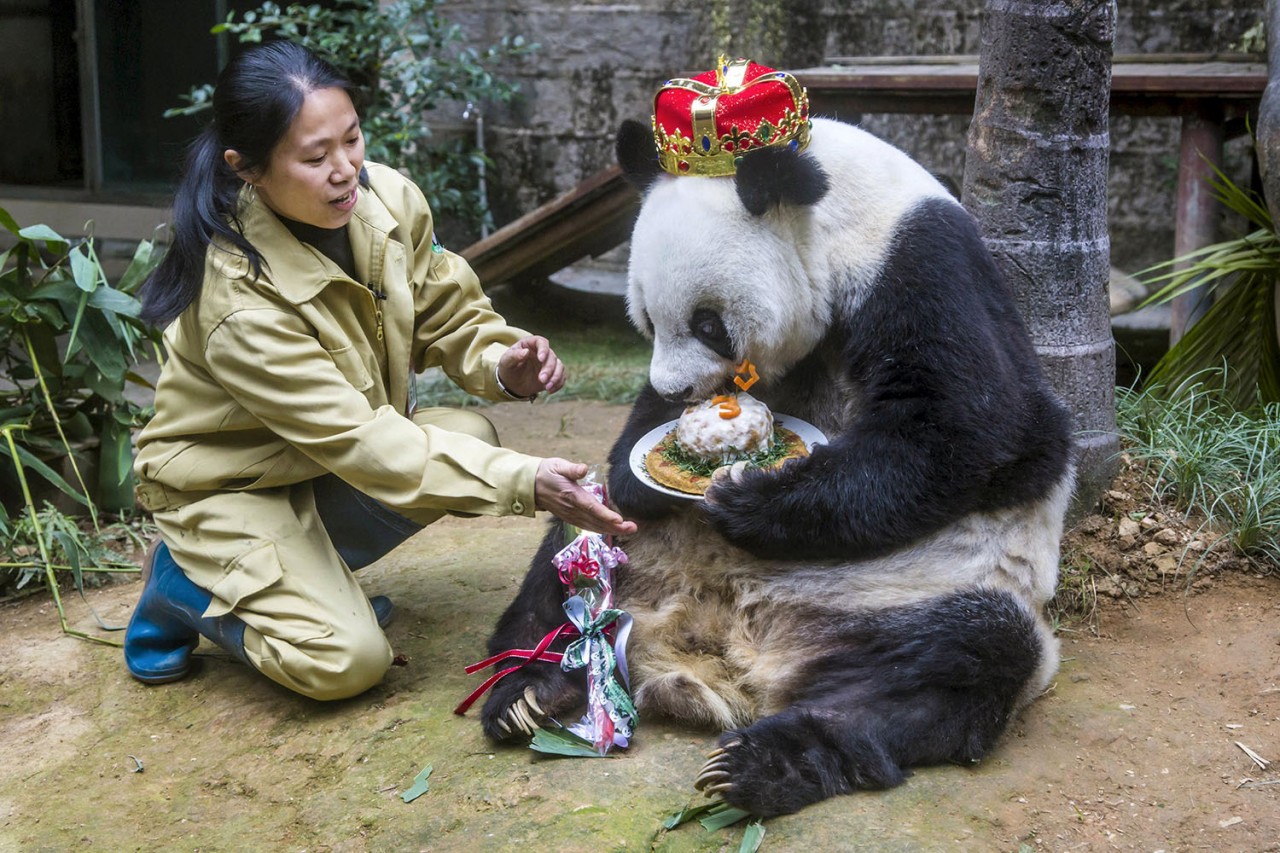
(57,424)
(50,578)
(121,569)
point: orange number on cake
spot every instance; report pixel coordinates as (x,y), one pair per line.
(728,404)
(747,376)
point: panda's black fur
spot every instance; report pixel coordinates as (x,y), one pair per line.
(878,605)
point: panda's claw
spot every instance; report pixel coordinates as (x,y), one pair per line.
(502,724)
(530,697)
(710,776)
(717,789)
(517,722)
(521,715)
(720,764)
(529,717)
(719,750)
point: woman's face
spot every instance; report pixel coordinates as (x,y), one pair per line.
(313,171)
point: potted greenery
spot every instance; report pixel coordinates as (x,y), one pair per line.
(69,339)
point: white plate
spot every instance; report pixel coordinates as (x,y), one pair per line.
(808,433)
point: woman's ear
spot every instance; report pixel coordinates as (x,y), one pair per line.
(236,162)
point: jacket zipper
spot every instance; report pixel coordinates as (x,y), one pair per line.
(377,297)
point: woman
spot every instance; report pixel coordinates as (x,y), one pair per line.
(303,290)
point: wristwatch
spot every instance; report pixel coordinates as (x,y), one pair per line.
(505,390)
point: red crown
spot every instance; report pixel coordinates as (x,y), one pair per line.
(703,125)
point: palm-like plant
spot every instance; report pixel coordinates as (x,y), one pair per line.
(1239,333)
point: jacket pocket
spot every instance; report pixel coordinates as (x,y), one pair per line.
(351,364)
(249,574)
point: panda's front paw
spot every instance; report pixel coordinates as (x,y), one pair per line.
(522,701)
(743,508)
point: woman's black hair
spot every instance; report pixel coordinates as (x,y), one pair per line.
(256,98)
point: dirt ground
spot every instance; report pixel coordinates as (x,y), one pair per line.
(1139,745)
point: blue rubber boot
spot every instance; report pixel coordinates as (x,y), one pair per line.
(383,609)
(168,622)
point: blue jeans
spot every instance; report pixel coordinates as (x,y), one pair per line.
(362,529)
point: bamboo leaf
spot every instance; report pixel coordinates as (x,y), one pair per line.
(419,786)
(75,324)
(70,550)
(721,815)
(564,743)
(83,270)
(144,260)
(10,224)
(752,838)
(31,462)
(687,814)
(44,234)
(111,299)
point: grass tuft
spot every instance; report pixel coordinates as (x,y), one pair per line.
(1207,458)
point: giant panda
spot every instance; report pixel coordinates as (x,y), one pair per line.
(879,604)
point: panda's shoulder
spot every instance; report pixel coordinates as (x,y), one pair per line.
(865,170)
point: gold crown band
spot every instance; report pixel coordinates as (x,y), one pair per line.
(702,120)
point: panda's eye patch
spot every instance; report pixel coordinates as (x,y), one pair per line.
(707,327)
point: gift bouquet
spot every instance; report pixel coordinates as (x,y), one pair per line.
(586,566)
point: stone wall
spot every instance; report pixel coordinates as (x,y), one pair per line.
(600,62)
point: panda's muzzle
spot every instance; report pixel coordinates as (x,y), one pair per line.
(685,396)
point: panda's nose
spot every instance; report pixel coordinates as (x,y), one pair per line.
(680,396)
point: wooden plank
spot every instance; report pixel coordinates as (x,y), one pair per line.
(589,219)
(1137,87)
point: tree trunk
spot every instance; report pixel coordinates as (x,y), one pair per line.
(1036,179)
(1267,137)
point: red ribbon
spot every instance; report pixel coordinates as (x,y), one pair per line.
(529,655)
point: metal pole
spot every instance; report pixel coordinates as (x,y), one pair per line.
(90,107)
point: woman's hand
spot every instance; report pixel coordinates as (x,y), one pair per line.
(556,490)
(530,367)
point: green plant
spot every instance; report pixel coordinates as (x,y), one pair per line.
(1209,458)
(68,341)
(409,59)
(43,543)
(1240,330)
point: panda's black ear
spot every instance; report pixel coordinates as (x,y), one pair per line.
(768,177)
(637,154)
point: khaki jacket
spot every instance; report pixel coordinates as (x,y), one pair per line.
(274,380)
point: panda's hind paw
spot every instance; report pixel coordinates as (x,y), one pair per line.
(738,771)
(783,763)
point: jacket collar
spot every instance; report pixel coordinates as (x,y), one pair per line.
(299,271)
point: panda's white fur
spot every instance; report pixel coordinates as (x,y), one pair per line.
(780,276)
(878,604)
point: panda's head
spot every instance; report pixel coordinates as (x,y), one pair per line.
(718,272)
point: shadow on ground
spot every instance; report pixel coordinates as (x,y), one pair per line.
(1135,747)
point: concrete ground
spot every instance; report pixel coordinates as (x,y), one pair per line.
(1134,748)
